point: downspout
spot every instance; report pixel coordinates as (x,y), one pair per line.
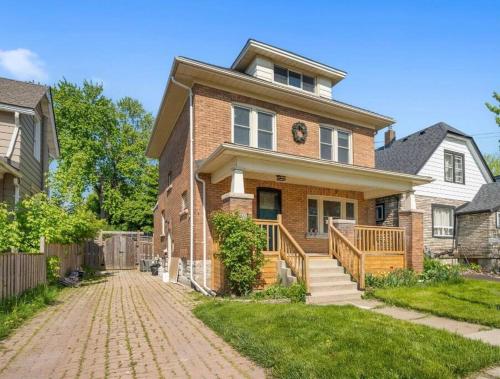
(199,287)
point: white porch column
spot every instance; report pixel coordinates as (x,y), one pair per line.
(408,201)
(237,181)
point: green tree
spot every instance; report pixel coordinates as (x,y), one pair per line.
(102,161)
(493,161)
(495,108)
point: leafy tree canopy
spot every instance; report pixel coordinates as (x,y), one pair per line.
(102,159)
(493,161)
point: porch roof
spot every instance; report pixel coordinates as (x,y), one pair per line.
(275,166)
(7,168)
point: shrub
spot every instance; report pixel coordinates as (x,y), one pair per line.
(437,272)
(41,216)
(53,267)
(396,278)
(9,230)
(296,293)
(241,242)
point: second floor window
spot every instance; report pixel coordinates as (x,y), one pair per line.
(37,139)
(335,144)
(253,127)
(454,167)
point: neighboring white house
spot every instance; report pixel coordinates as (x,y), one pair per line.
(453,160)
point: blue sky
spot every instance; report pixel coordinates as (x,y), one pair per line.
(417,61)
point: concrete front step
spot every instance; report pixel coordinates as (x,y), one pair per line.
(328,277)
(333,297)
(326,270)
(323,262)
(331,287)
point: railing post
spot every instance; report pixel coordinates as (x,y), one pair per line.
(362,272)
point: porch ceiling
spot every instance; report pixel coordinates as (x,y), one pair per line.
(266,165)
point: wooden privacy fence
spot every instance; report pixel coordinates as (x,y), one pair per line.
(20,272)
(71,257)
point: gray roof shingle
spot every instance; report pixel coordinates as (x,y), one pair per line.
(410,153)
(21,94)
(487,199)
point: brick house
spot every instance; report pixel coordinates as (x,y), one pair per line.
(28,139)
(458,168)
(266,138)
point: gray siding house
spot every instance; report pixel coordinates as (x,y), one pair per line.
(28,139)
(454,161)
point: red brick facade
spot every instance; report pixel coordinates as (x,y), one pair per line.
(212,127)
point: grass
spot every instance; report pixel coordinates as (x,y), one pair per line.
(15,310)
(476,301)
(303,341)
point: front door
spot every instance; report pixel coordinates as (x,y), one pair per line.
(268,203)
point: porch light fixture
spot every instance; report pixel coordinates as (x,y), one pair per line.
(280,178)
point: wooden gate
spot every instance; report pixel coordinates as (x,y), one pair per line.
(119,252)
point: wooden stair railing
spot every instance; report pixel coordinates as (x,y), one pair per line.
(278,238)
(380,240)
(348,255)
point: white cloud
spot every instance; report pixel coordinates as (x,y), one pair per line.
(23,64)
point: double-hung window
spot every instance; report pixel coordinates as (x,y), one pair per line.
(443,220)
(454,167)
(253,127)
(37,139)
(320,208)
(294,79)
(335,144)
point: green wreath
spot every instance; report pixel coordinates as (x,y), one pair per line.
(299,131)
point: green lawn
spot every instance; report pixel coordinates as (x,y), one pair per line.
(15,310)
(476,301)
(303,341)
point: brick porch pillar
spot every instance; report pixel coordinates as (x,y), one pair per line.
(412,220)
(346,227)
(237,200)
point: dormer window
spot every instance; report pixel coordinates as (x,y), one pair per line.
(294,79)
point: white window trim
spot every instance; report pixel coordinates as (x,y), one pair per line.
(335,145)
(37,138)
(254,130)
(435,227)
(316,91)
(320,199)
(162,223)
(497,214)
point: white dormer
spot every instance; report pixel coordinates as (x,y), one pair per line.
(280,66)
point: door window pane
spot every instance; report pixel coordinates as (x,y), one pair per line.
(294,79)
(330,209)
(265,130)
(349,211)
(280,75)
(307,83)
(269,204)
(312,215)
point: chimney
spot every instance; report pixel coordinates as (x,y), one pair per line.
(390,135)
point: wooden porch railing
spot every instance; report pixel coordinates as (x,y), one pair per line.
(348,255)
(376,239)
(279,239)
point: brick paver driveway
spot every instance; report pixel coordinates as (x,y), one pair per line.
(130,325)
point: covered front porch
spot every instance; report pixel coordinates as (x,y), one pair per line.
(312,209)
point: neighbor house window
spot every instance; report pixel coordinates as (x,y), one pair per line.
(253,127)
(335,144)
(380,212)
(443,218)
(37,139)
(454,167)
(162,223)
(320,208)
(293,78)
(184,201)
